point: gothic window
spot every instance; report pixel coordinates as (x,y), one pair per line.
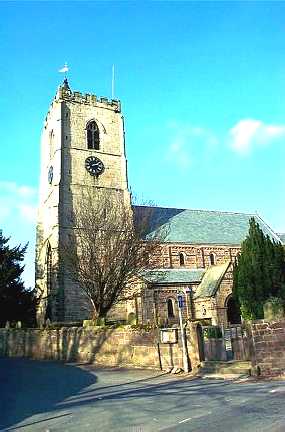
(49,269)
(212,259)
(92,135)
(51,143)
(170,308)
(182,258)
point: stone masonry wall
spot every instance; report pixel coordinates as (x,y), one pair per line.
(103,346)
(64,150)
(268,347)
(195,256)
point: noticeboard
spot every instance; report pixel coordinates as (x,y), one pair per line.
(169,335)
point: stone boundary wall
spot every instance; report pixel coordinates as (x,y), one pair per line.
(102,346)
(267,347)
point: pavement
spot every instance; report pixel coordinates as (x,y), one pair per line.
(52,396)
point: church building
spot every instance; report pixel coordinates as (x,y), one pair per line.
(83,146)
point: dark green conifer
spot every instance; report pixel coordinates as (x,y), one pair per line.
(259,272)
(16,303)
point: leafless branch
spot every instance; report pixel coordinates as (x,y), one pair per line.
(107,250)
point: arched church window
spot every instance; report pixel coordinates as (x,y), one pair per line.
(182,258)
(49,269)
(92,135)
(170,308)
(212,259)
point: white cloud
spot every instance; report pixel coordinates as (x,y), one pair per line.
(17,202)
(186,142)
(29,212)
(250,133)
(5,211)
(7,187)
(17,220)
(26,191)
(177,151)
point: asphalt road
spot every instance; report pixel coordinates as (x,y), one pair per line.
(51,396)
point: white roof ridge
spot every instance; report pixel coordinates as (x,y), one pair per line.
(274,234)
(198,210)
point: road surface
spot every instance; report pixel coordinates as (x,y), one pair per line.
(42,396)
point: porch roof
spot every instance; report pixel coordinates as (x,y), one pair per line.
(211,280)
(173,276)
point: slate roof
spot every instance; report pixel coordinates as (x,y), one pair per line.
(208,280)
(168,276)
(200,226)
(211,280)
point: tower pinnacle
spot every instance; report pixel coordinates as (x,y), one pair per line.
(65,85)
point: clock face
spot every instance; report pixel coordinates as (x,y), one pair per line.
(94,165)
(50,175)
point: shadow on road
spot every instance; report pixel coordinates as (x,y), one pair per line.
(184,391)
(40,393)
(29,387)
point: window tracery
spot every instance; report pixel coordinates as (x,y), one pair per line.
(93,139)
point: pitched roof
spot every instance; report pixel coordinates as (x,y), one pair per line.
(211,280)
(168,276)
(200,226)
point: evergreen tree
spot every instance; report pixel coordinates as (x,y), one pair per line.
(16,303)
(259,272)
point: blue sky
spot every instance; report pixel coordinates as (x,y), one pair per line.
(202,87)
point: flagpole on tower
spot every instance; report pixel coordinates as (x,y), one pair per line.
(113,81)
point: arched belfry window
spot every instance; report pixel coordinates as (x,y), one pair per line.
(170,308)
(93,140)
(49,269)
(212,259)
(182,258)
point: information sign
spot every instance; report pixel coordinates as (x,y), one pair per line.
(180,301)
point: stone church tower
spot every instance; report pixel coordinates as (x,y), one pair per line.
(82,146)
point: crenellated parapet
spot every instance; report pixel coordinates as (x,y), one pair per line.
(64,93)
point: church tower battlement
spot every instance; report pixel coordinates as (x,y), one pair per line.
(82,146)
(64,93)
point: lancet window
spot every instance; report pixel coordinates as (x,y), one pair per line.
(93,141)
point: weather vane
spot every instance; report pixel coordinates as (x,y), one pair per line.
(64,70)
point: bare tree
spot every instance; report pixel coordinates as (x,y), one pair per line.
(108,249)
